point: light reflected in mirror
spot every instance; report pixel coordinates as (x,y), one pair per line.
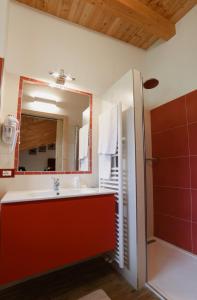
(55,129)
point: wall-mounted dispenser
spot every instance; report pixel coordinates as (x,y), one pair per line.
(10,131)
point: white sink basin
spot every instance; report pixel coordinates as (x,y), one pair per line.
(51,193)
(35,195)
(65,192)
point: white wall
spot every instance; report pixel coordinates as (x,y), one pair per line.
(9,106)
(3,25)
(4,6)
(38,43)
(122,92)
(149,175)
(139,177)
(128,91)
(174,63)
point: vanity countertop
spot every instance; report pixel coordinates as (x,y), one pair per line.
(39,195)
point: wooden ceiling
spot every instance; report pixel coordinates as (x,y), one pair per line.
(36,132)
(137,22)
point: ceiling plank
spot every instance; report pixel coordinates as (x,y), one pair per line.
(183,10)
(136,12)
(36,131)
(137,22)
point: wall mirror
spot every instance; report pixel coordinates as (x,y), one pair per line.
(55,129)
(1,75)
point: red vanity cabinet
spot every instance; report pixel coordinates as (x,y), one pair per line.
(43,235)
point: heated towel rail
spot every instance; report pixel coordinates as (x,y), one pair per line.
(115,182)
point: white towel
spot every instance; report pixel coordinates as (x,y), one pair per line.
(108,131)
(108,138)
(84,164)
(104,166)
(83,141)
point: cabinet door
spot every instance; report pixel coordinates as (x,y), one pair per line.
(40,236)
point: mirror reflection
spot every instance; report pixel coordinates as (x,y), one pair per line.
(55,129)
(1,75)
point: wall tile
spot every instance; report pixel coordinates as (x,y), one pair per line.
(173,202)
(191,102)
(175,173)
(169,115)
(194,205)
(172,172)
(194,237)
(193,138)
(173,142)
(173,230)
(193,163)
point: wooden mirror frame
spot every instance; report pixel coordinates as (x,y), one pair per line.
(19,110)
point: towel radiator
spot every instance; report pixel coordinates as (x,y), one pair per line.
(115,182)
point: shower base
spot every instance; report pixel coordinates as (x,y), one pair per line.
(172,272)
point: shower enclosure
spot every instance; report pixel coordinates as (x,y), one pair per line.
(171,180)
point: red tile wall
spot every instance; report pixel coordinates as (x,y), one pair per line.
(174,143)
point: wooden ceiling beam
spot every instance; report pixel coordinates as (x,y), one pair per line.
(183,10)
(136,12)
(137,22)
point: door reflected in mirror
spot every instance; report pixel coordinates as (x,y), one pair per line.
(55,129)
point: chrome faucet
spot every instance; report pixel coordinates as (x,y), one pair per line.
(56,184)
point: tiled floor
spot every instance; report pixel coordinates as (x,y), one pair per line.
(75,282)
(172,271)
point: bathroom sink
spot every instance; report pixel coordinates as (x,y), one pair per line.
(42,194)
(51,193)
(89,190)
(37,195)
(62,192)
